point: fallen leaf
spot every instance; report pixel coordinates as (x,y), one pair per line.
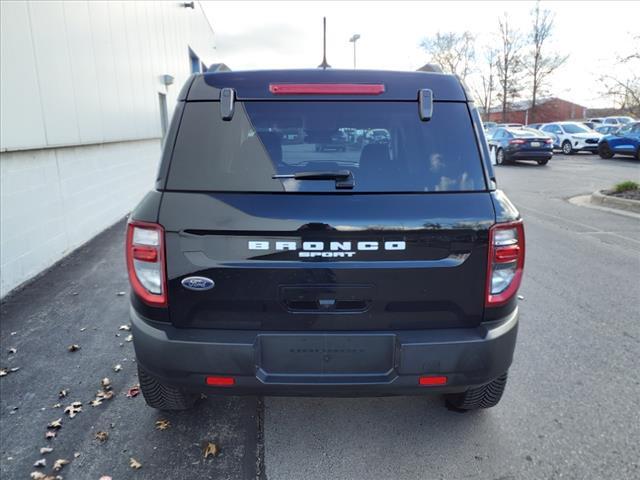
(162,424)
(37,476)
(14,369)
(63,393)
(102,436)
(520,297)
(105,477)
(57,405)
(83,329)
(117,368)
(133,391)
(4,372)
(209,449)
(104,395)
(76,455)
(50,434)
(40,463)
(61,462)
(95,403)
(45,450)
(120,294)
(133,463)
(129,338)
(12,350)
(73,348)
(73,409)
(55,424)
(106,383)
(126,328)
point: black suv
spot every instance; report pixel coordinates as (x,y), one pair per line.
(261,266)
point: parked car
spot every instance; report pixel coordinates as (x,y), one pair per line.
(254,271)
(618,121)
(589,125)
(513,144)
(336,141)
(534,126)
(606,129)
(572,137)
(510,125)
(378,135)
(596,120)
(624,141)
(489,125)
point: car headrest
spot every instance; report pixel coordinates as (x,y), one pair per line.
(374,156)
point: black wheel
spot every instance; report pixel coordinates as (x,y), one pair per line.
(567,149)
(604,150)
(638,154)
(543,162)
(485,396)
(500,157)
(164,397)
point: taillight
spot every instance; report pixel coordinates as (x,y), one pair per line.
(548,140)
(517,141)
(506,262)
(145,262)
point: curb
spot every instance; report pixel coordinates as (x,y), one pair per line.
(599,198)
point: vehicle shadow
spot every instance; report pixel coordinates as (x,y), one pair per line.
(385,437)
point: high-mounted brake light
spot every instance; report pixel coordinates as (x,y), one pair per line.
(505,262)
(326,89)
(145,262)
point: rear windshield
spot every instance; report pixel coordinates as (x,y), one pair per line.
(383,145)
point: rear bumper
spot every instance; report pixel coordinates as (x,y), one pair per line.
(184,357)
(530,155)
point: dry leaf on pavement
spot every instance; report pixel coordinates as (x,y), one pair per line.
(73,409)
(63,393)
(133,463)
(44,450)
(12,350)
(162,424)
(40,463)
(61,462)
(126,328)
(129,338)
(6,371)
(95,403)
(120,294)
(133,391)
(117,368)
(209,449)
(102,436)
(57,405)
(50,434)
(105,477)
(105,383)
(73,348)
(104,395)
(38,476)
(55,424)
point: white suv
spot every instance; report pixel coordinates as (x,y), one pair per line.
(571,137)
(617,121)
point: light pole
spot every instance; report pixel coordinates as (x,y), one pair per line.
(353,40)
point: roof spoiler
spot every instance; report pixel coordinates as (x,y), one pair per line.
(217,67)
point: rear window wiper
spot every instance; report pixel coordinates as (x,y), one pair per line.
(343,178)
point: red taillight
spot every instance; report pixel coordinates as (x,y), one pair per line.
(214,381)
(326,89)
(145,262)
(548,141)
(432,380)
(505,262)
(517,141)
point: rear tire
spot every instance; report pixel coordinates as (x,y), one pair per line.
(567,149)
(162,396)
(485,396)
(543,162)
(604,150)
(500,157)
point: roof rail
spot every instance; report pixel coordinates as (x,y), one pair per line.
(217,67)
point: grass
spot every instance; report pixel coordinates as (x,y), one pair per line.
(626,186)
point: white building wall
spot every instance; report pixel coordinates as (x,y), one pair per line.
(80,128)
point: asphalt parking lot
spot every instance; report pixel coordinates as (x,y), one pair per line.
(570,409)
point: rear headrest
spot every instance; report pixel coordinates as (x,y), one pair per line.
(272,143)
(374,156)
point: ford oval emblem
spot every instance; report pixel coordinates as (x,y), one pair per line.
(198,283)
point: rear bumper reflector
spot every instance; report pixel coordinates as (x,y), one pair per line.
(432,380)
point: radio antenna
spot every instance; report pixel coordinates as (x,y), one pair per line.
(324,65)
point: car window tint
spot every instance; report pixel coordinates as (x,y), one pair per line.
(384,145)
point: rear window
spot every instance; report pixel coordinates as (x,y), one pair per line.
(384,145)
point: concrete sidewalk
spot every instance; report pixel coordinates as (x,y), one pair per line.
(78,302)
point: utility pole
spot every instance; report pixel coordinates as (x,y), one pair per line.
(353,40)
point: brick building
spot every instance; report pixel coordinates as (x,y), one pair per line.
(547,110)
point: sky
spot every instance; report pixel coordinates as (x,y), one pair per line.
(273,34)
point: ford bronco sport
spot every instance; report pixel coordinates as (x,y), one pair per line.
(264,266)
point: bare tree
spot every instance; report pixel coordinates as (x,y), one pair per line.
(540,64)
(488,80)
(454,52)
(624,89)
(509,65)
